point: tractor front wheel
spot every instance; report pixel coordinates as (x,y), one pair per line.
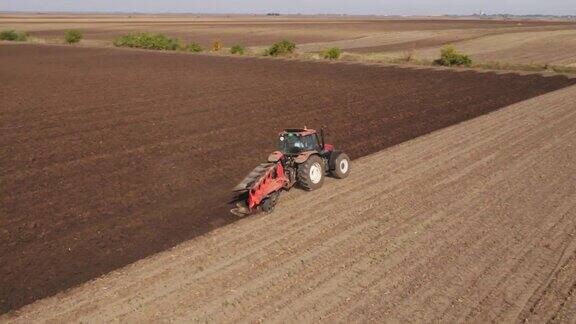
(311,173)
(341,166)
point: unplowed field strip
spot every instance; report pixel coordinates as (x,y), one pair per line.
(108,156)
(472,223)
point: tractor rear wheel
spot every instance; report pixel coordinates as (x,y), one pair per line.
(341,166)
(311,173)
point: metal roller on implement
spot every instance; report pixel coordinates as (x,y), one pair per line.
(303,159)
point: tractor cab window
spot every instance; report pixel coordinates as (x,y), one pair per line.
(311,142)
(291,143)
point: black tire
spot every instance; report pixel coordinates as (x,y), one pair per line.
(341,166)
(311,173)
(269,203)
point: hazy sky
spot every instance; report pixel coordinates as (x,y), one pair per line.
(380,7)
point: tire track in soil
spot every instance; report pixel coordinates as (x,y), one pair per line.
(85,189)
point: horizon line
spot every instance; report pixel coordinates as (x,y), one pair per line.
(478,14)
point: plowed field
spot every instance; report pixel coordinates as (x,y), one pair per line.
(108,156)
(253,30)
(472,223)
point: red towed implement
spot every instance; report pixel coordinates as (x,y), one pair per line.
(303,159)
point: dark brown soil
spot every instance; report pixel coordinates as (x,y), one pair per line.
(405,46)
(108,156)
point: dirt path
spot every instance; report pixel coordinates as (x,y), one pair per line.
(475,222)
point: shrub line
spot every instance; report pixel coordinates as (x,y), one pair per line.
(449,57)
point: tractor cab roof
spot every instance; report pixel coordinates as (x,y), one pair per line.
(299,131)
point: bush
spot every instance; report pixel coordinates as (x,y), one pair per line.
(281,48)
(407,57)
(148,41)
(450,57)
(217,46)
(237,49)
(12,35)
(73,36)
(193,47)
(332,53)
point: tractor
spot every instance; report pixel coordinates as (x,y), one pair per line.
(302,159)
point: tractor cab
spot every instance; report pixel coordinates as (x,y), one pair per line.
(297,141)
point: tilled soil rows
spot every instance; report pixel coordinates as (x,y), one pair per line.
(473,223)
(108,156)
(248,30)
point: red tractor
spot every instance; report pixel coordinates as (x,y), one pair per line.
(303,159)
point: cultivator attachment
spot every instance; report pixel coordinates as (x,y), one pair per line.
(253,177)
(260,189)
